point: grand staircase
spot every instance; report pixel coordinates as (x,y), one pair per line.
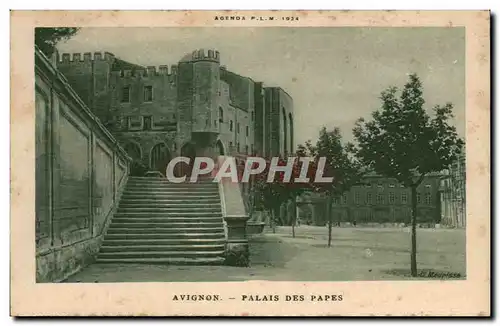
(166,223)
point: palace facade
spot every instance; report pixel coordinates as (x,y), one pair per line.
(196,107)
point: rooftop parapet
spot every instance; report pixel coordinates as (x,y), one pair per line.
(150,71)
(85,57)
(202,55)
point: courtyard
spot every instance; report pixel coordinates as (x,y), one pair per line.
(355,254)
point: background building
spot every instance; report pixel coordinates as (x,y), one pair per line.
(196,107)
(453,194)
(378,200)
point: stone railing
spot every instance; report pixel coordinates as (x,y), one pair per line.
(80,173)
(235,219)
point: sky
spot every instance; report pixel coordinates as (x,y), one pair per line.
(334,74)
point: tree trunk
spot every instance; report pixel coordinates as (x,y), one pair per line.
(413,255)
(329,216)
(273,222)
(294,215)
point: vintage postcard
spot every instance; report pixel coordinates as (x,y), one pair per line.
(252,163)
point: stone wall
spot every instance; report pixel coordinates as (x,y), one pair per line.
(278,132)
(260,121)
(241,89)
(81,170)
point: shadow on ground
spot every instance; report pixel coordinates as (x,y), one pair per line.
(268,251)
(355,255)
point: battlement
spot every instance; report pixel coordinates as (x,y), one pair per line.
(85,57)
(148,72)
(202,55)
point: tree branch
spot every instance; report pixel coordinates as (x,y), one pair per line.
(419,181)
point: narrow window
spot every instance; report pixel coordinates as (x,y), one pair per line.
(148,93)
(135,123)
(231,125)
(221,115)
(246,131)
(392,198)
(404,198)
(148,122)
(126,94)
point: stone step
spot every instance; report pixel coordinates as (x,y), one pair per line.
(205,248)
(162,182)
(169,196)
(162,254)
(144,189)
(199,201)
(188,185)
(163,232)
(186,214)
(167,220)
(138,242)
(145,218)
(157,204)
(145,193)
(163,224)
(166,261)
(169,209)
(200,178)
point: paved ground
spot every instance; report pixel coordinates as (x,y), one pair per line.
(355,254)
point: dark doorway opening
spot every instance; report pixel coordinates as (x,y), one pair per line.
(160,156)
(137,168)
(220,148)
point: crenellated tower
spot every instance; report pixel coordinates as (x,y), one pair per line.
(88,74)
(197,94)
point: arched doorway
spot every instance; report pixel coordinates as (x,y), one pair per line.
(137,168)
(159,158)
(220,148)
(133,150)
